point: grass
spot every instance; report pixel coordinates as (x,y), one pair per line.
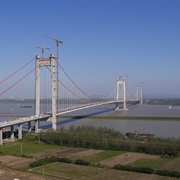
(96,158)
(72,171)
(151,163)
(68,170)
(159,164)
(171,164)
(25,148)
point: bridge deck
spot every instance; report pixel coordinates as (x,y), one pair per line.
(45,116)
(77,108)
(62,111)
(23,120)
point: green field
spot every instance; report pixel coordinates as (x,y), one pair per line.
(25,148)
(159,164)
(96,158)
(72,171)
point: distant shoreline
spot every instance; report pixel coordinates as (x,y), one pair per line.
(123,117)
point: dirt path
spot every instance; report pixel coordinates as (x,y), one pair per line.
(11,174)
(15,162)
(85,153)
(127,158)
(21,162)
(61,152)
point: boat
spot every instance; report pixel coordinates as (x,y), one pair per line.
(26,106)
(137,134)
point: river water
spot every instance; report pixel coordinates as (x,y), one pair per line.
(161,128)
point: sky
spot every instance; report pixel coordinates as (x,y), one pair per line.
(102,40)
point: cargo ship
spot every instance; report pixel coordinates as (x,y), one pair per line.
(26,106)
(137,134)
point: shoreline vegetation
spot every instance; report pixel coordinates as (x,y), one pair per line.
(108,139)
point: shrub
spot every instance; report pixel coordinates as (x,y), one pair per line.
(171,153)
(168,173)
(134,169)
(82,162)
(147,170)
(144,170)
(37,163)
(44,161)
(64,160)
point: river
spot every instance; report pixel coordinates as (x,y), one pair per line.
(161,128)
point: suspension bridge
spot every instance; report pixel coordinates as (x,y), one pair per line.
(65,96)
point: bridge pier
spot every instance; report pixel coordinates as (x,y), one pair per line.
(1,136)
(29,127)
(12,132)
(20,131)
(36,125)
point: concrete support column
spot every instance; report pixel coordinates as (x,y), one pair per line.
(12,132)
(117,93)
(36,125)
(54,92)
(19,131)
(1,136)
(139,93)
(124,91)
(29,126)
(37,110)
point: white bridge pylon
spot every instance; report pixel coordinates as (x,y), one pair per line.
(46,62)
(121,82)
(121,91)
(139,93)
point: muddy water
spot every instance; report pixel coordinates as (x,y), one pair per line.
(161,128)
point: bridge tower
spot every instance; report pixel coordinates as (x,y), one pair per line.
(139,93)
(40,62)
(121,82)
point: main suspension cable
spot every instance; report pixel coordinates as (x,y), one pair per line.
(66,86)
(16,71)
(73,81)
(20,79)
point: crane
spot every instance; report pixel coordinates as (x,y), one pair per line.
(42,48)
(57,57)
(57,43)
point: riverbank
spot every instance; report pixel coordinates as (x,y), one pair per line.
(156,118)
